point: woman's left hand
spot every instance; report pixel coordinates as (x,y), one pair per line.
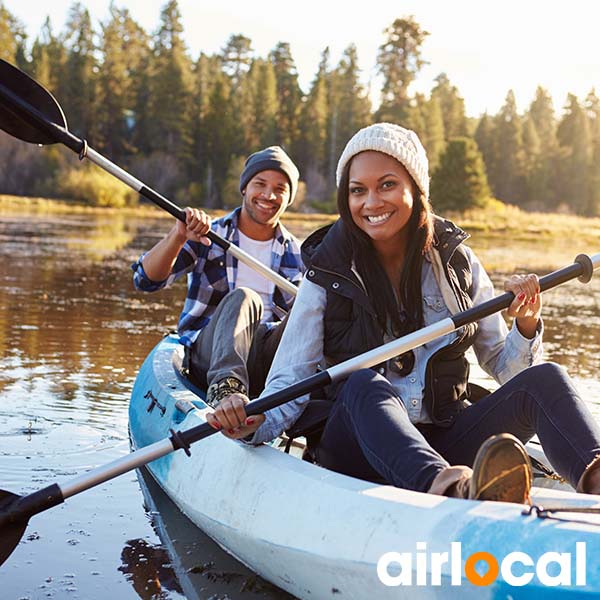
(527,304)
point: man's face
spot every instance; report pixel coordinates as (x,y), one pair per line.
(266,197)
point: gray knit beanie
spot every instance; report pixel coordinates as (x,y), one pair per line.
(400,143)
(271,158)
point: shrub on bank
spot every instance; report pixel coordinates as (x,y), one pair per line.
(91,185)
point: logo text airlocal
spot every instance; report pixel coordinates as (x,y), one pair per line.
(424,568)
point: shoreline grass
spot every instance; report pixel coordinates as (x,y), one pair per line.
(502,234)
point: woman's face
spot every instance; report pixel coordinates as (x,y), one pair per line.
(380,195)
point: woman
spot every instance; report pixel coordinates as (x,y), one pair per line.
(388,266)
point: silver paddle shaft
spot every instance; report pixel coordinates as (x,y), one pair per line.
(117,467)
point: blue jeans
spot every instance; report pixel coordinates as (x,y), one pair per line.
(369,435)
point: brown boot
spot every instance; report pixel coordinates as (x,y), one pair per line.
(223,388)
(589,482)
(501,471)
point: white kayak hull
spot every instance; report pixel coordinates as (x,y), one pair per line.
(319,534)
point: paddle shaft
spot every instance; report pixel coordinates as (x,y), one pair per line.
(62,135)
(54,494)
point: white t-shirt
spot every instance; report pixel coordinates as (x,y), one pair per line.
(248,277)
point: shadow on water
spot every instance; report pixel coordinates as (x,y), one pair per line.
(202,568)
(73,334)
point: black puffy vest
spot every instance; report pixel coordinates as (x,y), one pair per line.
(350,323)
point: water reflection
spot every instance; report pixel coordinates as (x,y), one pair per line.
(73,333)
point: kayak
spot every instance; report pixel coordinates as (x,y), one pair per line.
(320,534)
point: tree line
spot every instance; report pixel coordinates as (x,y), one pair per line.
(184,126)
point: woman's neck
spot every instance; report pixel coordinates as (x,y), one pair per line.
(391,255)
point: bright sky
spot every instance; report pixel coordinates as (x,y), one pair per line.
(485,47)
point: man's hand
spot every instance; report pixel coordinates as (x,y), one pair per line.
(230,418)
(196,226)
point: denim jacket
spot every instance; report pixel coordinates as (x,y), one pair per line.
(500,352)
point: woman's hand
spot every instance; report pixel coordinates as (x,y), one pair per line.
(196,226)
(526,307)
(230,418)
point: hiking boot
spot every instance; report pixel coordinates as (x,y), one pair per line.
(589,482)
(223,388)
(501,471)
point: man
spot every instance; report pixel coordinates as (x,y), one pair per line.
(230,323)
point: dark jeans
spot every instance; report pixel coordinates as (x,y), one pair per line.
(235,343)
(369,435)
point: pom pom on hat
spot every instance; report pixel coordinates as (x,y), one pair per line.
(400,143)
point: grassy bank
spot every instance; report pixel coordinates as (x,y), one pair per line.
(503,235)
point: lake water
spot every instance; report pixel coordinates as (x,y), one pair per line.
(73,333)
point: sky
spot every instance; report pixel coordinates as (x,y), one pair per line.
(485,47)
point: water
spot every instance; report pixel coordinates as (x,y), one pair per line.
(73,333)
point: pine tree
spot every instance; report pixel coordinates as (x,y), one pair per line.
(220,133)
(124,46)
(592,109)
(507,173)
(265,103)
(452,107)
(424,117)
(542,178)
(77,87)
(289,96)
(237,58)
(399,60)
(460,181)
(47,57)
(311,155)
(574,137)
(171,99)
(12,38)
(349,102)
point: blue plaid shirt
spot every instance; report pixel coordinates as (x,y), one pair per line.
(212,272)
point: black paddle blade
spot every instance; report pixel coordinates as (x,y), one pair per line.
(10,532)
(13,120)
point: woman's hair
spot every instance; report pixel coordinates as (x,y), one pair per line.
(419,236)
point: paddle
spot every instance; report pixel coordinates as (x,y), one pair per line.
(15,510)
(30,113)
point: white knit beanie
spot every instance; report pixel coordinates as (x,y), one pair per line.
(400,143)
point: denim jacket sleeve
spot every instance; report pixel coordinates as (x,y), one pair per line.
(300,351)
(500,352)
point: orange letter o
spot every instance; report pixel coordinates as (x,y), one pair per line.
(473,576)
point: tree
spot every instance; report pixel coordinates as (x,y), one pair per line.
(312,149)
(125,48)
(485,139)
(573,135)
(592,109)
(452,107)
(507,174)
(399,60)
(12,38)
(289,96)
(424,116)
(170,103)
(48,57)
(542,183)
(265,104)
(237,58)
(349,106)
(77,88)
(460,181)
